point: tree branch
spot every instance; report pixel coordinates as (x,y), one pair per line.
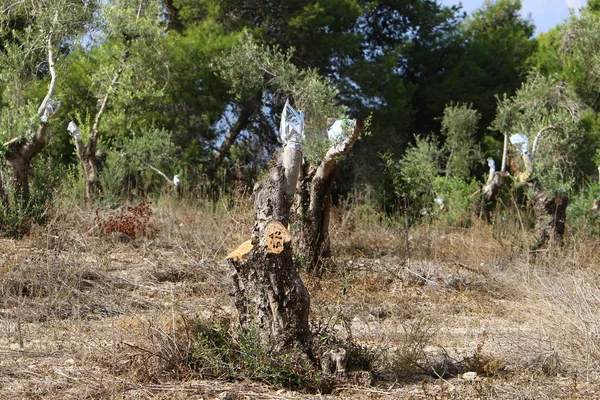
(94,132)
(52,86)
(337,150)
(158,171)
(74,129)
(537,138)
(504,152)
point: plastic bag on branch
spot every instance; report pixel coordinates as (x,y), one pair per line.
(291,132)
(521,142)
(337,131)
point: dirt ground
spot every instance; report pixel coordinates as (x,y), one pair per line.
(463,313)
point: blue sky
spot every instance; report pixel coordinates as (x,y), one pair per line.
(546,14)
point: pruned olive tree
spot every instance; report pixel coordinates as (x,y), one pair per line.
(35,37)
(269,72)
(543,121)
(129,55)
(270,296)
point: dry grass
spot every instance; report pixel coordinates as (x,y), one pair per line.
(86,316)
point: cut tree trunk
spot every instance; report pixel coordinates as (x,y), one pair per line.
(92,159)
(270,297)
(21,150)
(490,191)
(550,215)
(92,165)
(313,204)
(19,153)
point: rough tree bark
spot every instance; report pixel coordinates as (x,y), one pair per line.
(550,215)
(20,152)
(313,203)
(270,296)
(495,182)
(92,159)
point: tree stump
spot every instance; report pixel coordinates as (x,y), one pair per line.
(269,294)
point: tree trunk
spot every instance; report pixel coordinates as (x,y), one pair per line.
(270,296)
(173,16)
(92,159)
(20,152)
(247,111)
(550,215)
(20,170)
(92,165)
(313,206)
(490,191)
(313,203)
(3,188)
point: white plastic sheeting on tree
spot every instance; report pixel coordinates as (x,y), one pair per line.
(291,132)
(521,142)
(74,130)
(338,130)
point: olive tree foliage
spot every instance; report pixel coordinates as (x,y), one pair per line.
(579,51)
(459,127)
(548,112)
(128,71)
(412,176)
(419,177)
(251,67)
(139,165)
(35,37)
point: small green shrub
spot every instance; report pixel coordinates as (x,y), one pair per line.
(129,166)
(45,182)
(218,351)
(455,200)
(583,212)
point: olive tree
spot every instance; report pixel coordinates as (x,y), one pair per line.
(543,121)
(35,35)
(128,68)
(269,293)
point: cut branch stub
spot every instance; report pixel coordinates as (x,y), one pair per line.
(241,253)
(275,237)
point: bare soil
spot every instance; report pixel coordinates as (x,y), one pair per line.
(84,316)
